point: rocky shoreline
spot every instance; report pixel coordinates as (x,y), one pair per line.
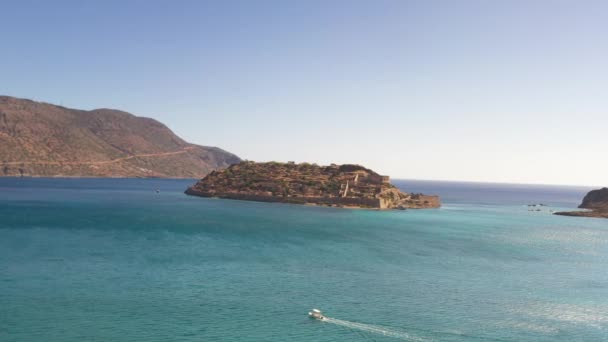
(593,213)
(595,201)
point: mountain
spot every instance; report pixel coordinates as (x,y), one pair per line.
(40,139)
(596,201)
(352,186)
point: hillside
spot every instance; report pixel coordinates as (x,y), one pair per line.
(40,139)
(597,203)
(596,200)
(334,185)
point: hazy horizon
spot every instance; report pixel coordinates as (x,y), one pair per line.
(468,91)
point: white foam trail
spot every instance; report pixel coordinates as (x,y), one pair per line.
(375,329)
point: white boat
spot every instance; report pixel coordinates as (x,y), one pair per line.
(316,314)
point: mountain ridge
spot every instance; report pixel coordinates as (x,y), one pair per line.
(42,139)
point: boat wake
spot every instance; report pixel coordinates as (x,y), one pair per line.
(376,329)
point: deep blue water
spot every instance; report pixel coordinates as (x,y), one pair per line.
(111,260)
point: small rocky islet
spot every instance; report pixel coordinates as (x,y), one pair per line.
(346,186)
(597,203)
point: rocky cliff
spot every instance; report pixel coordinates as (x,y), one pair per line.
(334,185)
(596,201)
(40,139)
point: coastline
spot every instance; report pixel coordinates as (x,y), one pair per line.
(596,203)
(580,213)
(326,202)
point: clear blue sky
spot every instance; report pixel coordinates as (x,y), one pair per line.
(507,91)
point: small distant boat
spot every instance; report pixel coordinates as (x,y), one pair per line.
(316,314)
(157,190)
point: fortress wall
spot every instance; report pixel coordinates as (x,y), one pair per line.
(341,201)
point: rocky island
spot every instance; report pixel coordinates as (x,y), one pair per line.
(348,186)
(597,203)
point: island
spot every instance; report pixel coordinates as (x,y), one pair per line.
(344,186)
(595,201)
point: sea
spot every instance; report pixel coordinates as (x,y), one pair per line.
(115,260)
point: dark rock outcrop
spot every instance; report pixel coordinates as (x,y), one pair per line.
(40,139)
(596,201)
(340,186)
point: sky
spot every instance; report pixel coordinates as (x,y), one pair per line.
(492,91)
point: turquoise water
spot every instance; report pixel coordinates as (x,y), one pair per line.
(111,260)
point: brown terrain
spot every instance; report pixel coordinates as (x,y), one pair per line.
(351,186)
(597,203)
(40,139)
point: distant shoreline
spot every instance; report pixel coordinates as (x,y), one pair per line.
(580,213)
(95,177)
(394,179)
